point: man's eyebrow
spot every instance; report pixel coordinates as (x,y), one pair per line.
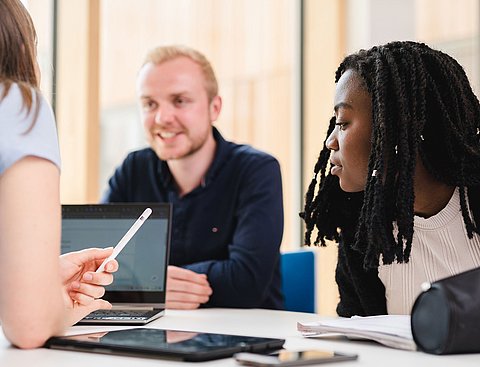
(171,95)
(179,93)
(342,105)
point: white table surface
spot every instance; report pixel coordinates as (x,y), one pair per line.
(256,322)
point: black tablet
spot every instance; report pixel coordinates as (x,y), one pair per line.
(166,344)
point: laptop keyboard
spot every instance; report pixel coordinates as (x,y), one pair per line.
(121,315)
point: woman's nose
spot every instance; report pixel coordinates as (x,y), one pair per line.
(332,142)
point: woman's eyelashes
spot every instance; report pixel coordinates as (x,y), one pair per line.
(341,124)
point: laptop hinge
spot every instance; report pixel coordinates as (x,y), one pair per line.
(132,307)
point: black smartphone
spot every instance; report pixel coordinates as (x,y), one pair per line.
(285,358)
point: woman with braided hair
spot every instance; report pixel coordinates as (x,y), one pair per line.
(397,183)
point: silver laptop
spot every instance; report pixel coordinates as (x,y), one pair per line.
(138,290)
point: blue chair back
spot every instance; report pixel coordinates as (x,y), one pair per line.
(298,280)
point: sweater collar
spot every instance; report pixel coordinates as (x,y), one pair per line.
(443,217)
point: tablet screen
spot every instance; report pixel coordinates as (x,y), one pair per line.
(183,345)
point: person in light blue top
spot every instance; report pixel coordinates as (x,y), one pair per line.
(40,292)
(22,135)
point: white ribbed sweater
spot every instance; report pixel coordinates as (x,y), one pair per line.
(440,248)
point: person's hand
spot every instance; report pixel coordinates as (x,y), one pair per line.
(82,286)
(186,289)
(174,336)
(77,271)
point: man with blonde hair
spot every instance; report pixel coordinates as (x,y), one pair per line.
(227,198)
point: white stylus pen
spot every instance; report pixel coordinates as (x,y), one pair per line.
(127,236)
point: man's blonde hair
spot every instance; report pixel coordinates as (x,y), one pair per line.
(162,54)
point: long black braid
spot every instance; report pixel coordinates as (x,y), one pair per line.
(422,104)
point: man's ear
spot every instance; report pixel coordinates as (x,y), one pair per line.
(215,108)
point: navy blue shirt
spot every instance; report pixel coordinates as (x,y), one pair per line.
(230,227)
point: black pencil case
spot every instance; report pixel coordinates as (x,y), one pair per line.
(446,315)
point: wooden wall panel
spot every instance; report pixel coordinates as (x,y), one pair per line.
(324,49)
(78,99)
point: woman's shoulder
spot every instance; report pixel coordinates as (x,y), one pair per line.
(26,131)
(14,91)
(13,98)
(10,95)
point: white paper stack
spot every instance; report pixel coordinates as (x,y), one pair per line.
(391,330)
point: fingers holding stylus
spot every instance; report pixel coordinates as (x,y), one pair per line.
(91,286)
(87,294)
(103,278)
(97,279)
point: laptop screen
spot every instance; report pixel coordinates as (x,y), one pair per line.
(143,262)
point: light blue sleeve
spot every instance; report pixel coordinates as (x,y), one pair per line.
(16,142)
